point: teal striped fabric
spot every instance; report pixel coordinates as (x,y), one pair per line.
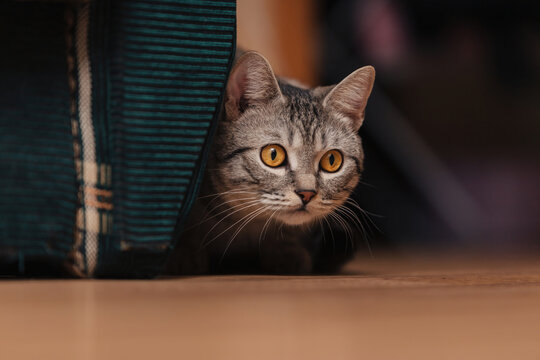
(158,69)
(38,192)
(169,65)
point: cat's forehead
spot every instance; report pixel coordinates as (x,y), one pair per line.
(301,100)
(299,120)
(302,114)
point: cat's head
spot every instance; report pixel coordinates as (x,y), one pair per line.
(286,151)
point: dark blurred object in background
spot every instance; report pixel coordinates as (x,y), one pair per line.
(453,128)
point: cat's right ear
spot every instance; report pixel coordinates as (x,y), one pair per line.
(349,97)
(251,83)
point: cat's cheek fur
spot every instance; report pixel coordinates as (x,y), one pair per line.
(336,183)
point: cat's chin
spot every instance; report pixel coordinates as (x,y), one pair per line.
(297,217)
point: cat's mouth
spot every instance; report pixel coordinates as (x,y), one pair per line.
(296,212)
(297,216)
(302,209)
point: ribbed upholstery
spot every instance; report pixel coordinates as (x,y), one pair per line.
(37,181)
(169,65)
(158,70)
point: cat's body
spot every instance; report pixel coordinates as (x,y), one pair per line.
(284,159)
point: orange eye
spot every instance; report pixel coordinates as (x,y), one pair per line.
(331,161)
(273,155)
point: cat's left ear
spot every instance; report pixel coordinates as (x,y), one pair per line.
(350,96)
(251,83)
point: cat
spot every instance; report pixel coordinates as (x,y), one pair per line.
(284,160)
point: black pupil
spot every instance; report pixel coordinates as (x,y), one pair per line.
(331,159)
(273,154)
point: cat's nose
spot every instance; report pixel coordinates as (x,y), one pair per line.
(306,195)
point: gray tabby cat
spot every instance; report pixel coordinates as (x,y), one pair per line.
(284,159)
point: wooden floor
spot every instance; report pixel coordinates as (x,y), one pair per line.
(381,309)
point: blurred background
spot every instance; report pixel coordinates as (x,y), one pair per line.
(453,126)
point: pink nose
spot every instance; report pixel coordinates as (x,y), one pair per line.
(306,195)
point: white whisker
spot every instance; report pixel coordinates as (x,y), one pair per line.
(365,214)
(265,227)
(227,229)
(252,216)
(203,244)
(229,208)
(232,191)
(351,215)
(345,227)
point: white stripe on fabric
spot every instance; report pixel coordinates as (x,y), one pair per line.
(89,168)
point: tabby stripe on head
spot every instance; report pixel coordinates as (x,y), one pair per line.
(358,165)
(235,153)
(255,180)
